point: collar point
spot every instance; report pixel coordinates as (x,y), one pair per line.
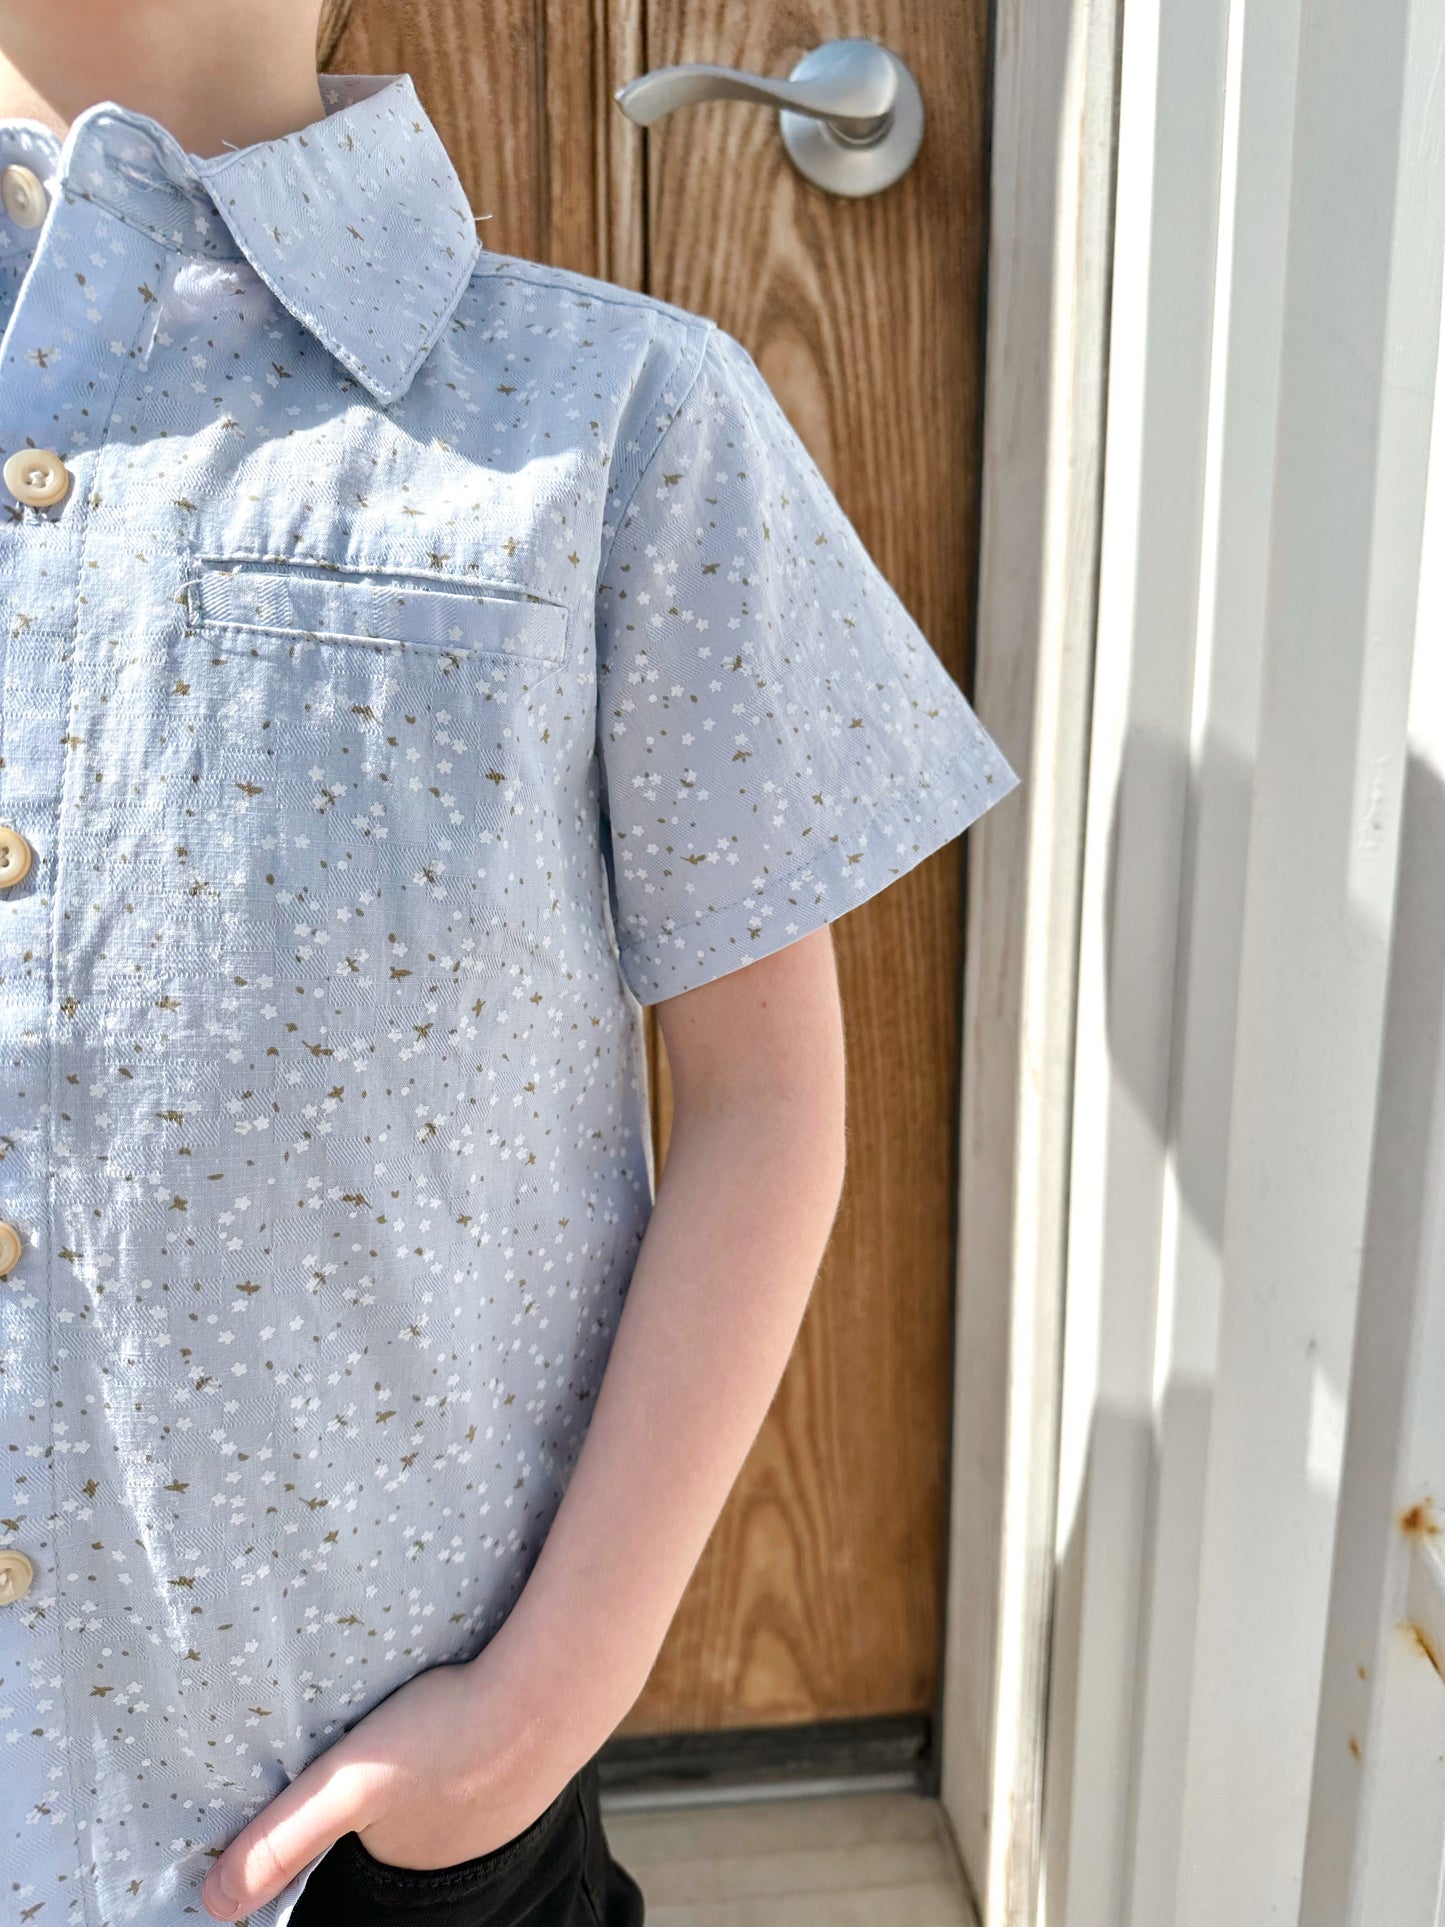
(381,391)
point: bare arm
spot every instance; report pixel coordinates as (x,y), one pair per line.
(749,1190)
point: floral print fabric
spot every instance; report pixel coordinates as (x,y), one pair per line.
(778,741)
(435,658)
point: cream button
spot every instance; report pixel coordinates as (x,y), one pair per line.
(9,1248)
(15,856)
(24,197)
(36,475)
(16,1574)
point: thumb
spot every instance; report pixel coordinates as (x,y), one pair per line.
(319,1805)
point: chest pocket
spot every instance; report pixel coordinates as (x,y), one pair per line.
(372,608)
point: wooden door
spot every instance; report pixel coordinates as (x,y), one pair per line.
(820,1597)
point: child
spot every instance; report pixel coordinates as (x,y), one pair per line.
(416,660)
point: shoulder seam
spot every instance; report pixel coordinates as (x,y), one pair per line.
(539,274)
(703,335)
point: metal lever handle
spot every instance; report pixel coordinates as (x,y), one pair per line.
(852,88)
(851,115)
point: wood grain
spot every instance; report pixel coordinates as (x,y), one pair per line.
(820,1593)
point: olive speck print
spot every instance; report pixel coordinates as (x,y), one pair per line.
(432,659)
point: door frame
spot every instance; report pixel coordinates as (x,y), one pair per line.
(1054,93)
(1262,716)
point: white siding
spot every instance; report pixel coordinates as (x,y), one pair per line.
(1244,1722)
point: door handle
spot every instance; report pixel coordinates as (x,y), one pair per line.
(850,112)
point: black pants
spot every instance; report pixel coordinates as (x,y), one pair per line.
(557,1872)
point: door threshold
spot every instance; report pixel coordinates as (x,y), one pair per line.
(738,1792)
(889,1753)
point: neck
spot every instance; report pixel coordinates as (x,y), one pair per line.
(218,74)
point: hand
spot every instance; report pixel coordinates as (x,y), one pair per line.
(449,1766)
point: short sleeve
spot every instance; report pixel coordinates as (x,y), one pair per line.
(777,739)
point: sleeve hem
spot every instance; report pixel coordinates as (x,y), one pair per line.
(896,835)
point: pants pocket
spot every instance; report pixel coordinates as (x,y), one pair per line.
(464,1870)
(531,1880)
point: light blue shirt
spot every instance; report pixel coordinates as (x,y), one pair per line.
(431,657)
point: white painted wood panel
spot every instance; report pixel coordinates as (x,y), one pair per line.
(1051,199)
(1246,1715)
(1377,1812)
(1143,809)
(1357,361)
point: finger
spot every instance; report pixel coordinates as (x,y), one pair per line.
(307,1816)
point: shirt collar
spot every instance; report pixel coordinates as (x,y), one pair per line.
(358,223)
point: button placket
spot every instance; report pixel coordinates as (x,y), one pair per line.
(55,390)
